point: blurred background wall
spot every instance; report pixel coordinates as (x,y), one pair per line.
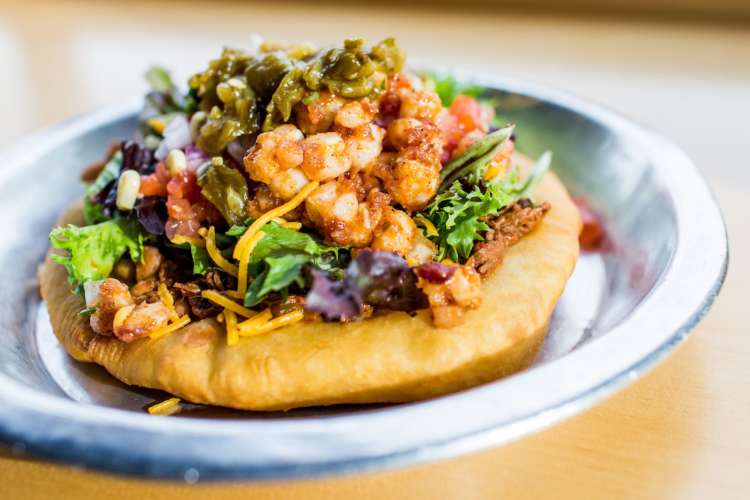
(704,10)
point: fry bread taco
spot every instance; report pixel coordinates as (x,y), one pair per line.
(311,227)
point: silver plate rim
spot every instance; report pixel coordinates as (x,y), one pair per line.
(267,449)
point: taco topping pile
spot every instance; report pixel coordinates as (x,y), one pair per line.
(298,184)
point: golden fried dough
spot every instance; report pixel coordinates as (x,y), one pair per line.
(389,358)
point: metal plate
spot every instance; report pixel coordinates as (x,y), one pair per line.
(622,311)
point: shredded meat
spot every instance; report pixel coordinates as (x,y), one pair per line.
(506,229)
(112,296)
(202,308)
(149,264)
(143,288)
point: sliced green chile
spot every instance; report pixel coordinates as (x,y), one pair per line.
(226,189)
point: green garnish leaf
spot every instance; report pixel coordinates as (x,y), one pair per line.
(159,79)
(236,230)
(279,273)
(201,260)
(92,251)
(278,258)
(472,164)
(226,188)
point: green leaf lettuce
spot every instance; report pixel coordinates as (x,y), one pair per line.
(92,251)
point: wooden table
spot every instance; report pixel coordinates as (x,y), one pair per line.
(680,432)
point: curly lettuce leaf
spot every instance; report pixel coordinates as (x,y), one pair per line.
(457,212)
(92,251)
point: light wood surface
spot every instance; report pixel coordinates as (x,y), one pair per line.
(682,431)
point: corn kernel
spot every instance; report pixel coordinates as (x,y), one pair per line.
(127,189)
(196,122)
(176,162)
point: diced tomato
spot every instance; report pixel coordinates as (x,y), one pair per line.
(179,209)
(184,185)
(470,114)
(152,186)
(188,227)
(204,210)
(592,235)
(162,173)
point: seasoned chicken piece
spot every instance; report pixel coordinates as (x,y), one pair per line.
(395,233)
(288,183)
(140,320)
(412,175)
(369,214)
(319,115)
(356,114)
(343,220)
(451,289)
(325,156)
(332,207)
(274,152)
(420,104)
(363,145)
(113,295)
(412,183)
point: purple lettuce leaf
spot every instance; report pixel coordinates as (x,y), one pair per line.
(379,279)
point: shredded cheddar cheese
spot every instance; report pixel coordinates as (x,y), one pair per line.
(275,212)
(179,239)
(245,261)
(168,300)
(166,407)
(275,323)
(231,321)
(122,314)
(215,254)
(491,172)
(428,225)
(496,168)
(226,303)
(294,226)
(157,125)
(249,324)
(163,330)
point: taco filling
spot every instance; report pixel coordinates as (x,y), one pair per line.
(298,184)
